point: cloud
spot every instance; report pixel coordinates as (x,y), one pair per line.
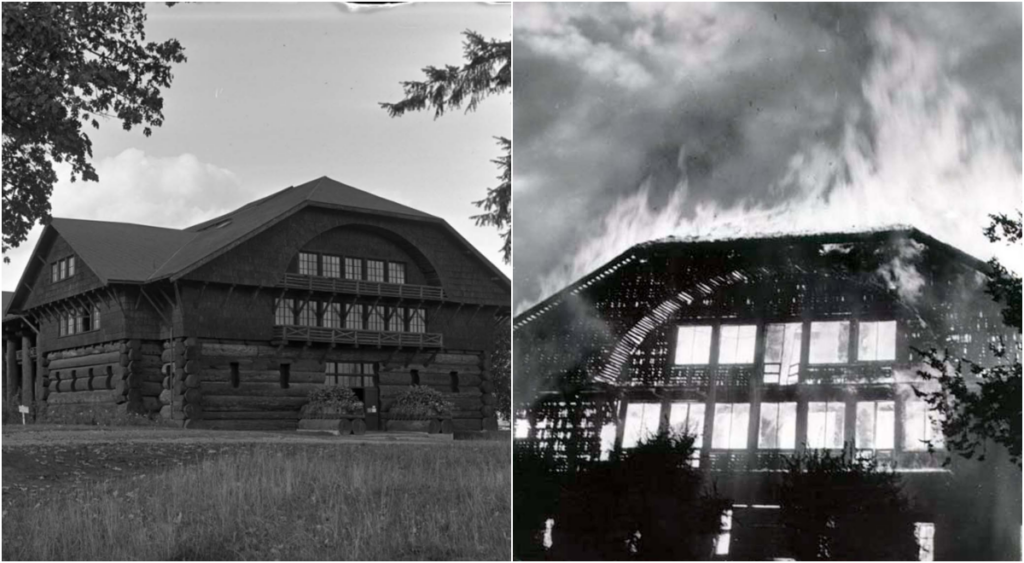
(760,119)
(173,192)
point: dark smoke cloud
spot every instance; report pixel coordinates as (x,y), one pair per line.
(709,109)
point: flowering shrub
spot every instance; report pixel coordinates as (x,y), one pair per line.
(417,403)
(332,402)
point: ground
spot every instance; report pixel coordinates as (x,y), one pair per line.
(420,477)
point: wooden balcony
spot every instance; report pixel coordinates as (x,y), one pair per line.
(358,337)
(362,288)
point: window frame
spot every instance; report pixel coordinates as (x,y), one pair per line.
(780,444)
(369,268)
(676,342)
(790,378)
(841,420)
(875,409)
(401,268)
(303,260)
(732,419)
(844,353)
(739,327)
(877,347)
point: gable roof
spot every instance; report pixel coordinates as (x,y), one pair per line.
(8,296)
(125,252)
(675,244)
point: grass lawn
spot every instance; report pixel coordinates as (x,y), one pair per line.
(312,500)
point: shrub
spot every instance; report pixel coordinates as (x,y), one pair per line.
(332,402)
(417,403)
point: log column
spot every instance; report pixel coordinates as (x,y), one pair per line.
(12,368)
(26,370)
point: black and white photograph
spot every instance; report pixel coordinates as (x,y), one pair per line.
(257,281)
(767,296)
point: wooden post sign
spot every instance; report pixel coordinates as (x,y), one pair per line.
(23,410)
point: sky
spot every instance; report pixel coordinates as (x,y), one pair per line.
(641,121)
(275,95)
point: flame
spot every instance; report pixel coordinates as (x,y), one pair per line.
(936,158)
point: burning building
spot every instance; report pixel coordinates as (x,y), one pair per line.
(766,347)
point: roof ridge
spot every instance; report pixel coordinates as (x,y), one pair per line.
(175,253)
(316,186)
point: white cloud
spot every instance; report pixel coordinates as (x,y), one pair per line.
(173,192)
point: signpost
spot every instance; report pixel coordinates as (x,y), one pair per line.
(23,410)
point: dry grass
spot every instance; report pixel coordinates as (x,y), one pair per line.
(337,502)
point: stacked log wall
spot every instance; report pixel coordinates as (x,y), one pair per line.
(117,377)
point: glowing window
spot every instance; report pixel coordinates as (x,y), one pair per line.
(375,270)
(830,342)
(332,266)
(607,440)
(522,428)
(826,425)
(924,532)
(876,425)
(688,418)
(725,536)
(693,345)
(396,272)
(736,344)
(778,426)
(920,426)
(730,429)
(782,353)
(642,420)
(307,264)
(877,341)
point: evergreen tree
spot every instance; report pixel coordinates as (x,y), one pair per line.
(487,71)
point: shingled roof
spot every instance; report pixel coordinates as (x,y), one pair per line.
(124,252)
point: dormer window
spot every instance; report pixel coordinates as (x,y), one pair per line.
(62,269)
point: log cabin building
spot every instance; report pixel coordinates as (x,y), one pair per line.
(762,348)
(231,323)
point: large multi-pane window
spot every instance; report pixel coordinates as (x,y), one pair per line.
(396,319)
(308,264)
(307,313)
(285,312)
(736,344)
(825,425)
(417,320)
(375,318)
(731,423)
(642,420)
(876,425)
(830,342)
(375,270)
(782,353)
(396,272)
(687,417)
(353,269)
(354,317)
(333,313)
(778,426)
(693,345)
(876,341)
(82,320)
(350,374)
(331,266)
(921,426)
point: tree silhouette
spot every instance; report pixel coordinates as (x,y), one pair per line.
(836,507)
(976,403)
(486,72)
(65,65)
(645,503)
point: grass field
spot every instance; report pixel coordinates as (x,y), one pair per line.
(318,501)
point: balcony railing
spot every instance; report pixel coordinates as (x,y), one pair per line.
(364,288)
(358,337)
